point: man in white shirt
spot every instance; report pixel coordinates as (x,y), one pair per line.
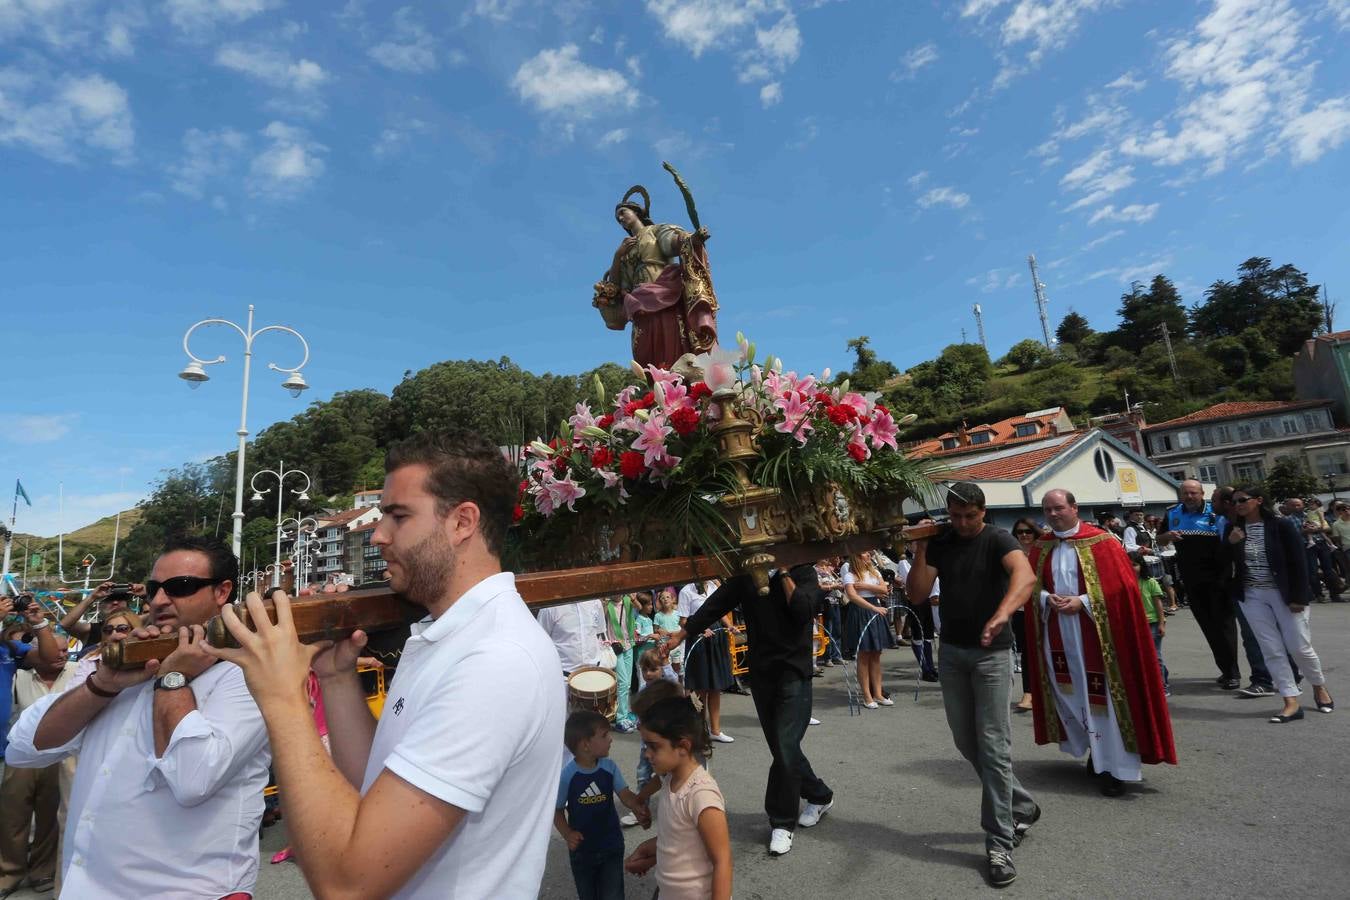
(577,631)
(167,798)
(451,794)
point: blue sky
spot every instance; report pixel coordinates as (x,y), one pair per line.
(411,183)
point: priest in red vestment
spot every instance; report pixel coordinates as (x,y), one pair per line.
(1096,685)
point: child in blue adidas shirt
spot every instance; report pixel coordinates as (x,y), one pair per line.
(585,816)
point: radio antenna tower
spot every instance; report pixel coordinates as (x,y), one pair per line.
(979,326)
(1042,305)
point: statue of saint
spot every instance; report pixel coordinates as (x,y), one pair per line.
(660,282)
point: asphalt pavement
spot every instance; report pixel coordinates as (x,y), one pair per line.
(1253,809)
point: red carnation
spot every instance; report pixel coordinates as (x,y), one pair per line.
(630,408)
(858,452)
(823,398)
(839,414)
(882,407)
(560,464)
(518,513)
(523,486)
(632,464)
(698,390)
(684,420)
(602,457)
(604,421)
(648,401)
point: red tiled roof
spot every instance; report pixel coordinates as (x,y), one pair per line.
(1333,336)
(369,526)
(1004,432)
(1238,409)
(343,517)
(1014,467)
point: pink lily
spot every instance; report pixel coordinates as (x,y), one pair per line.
(796,417)
(565,490)
(882,430)
(651,439)
(583,417)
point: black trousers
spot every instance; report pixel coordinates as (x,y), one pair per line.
(1214,614)
(783,704)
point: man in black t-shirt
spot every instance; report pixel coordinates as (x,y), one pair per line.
(985,579)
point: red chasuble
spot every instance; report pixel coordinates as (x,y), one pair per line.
(1121,661)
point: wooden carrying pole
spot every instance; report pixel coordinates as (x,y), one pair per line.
(326,617)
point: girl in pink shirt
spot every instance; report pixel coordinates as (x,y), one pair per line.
(692,847)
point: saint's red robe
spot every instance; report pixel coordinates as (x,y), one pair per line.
(1120,639)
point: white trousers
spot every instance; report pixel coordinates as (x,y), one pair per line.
(1279,631)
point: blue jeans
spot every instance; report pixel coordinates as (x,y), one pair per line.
(644,770)
(1157,645)
(976,689)
(834,627)
(598,873)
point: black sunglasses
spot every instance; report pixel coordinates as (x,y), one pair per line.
(179,586)
(1023,531)
(117,629)
(1237,500)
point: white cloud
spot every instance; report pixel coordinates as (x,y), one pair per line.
(410,48)
(1044,24)
(613,137)
(287,166)
(1097,242)
(1127,82)
(40,429)
(557,82)
(396,137)
(1134,212)
(1246,74)
(208,156)
(917,179)
(1097,177)
(810,130)
(1131,273)
(72,24)
(943,196)
(200,15)
(272,67)
(1318,131)
(995,280)
(52,515)
(763,34)
(771,94)
(65,118)
(916,59)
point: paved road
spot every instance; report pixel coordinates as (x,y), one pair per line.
(1253,808)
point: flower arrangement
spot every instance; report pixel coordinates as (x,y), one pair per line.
(656,450)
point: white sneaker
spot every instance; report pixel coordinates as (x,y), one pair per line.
(872,705)
(628,821)
(886,701)
(780,842)
(723,738)
(813,721)
(812,812)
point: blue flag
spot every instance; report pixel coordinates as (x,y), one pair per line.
(20,492)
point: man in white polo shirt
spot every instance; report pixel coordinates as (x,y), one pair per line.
(451,794)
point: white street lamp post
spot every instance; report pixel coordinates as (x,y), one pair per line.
(281,473)
(194,373)
(303,529)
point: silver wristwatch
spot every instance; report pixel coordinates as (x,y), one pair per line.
(171,681)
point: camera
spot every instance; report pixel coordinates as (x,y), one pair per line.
(22,602)
(119,592)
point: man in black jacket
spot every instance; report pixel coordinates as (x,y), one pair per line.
(779,633)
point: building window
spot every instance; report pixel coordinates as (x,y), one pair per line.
(949,443)
(1162,443)
(1182,440)
(981,437)
(1249,470)
(1209,474)
(1267,428)
(1177,475)
(1314,421)
(1245,432)
(1027,429)
(1290,425)
(1331,464)
(1223,434)
(1206,437)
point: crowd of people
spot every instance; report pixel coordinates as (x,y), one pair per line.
(453,792)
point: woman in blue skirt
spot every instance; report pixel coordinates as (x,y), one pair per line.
(867,625)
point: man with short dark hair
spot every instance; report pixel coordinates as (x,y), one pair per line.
(452,793)
(183,758)
(985,579)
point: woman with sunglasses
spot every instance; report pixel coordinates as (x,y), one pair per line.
(1027,533)
(1272,584)
(117,627)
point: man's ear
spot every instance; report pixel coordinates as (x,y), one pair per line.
(463,521)
(224,591)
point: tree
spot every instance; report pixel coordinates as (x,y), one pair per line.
(1289,477)
(1073,329)
(1026,354)
(1142,313)
(1278,301)
(869,373)
(1230,354)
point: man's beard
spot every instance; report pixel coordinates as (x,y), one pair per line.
(427,567)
